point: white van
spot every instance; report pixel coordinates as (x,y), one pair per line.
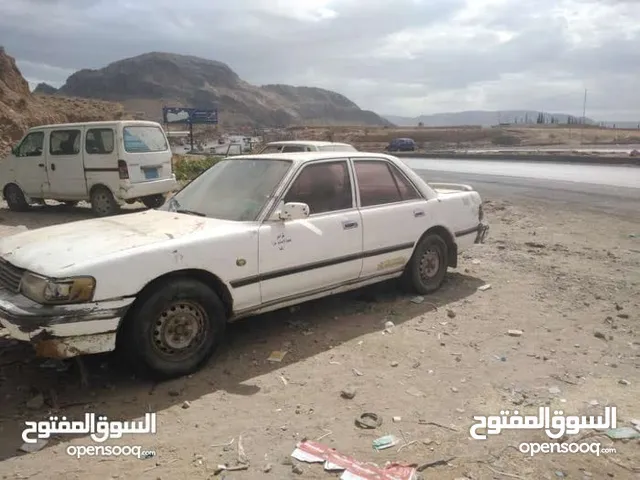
(106,163)
(290,146)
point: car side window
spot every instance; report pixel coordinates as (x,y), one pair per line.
(292,148)
(31,146)
(64,142)
(99,141)
(379,184)
(325,187)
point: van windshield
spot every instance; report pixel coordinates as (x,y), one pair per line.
(233,189)
(144,139)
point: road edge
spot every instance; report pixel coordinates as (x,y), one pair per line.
(518,156)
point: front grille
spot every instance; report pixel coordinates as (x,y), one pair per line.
(10,276)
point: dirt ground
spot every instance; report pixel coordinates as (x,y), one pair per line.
(564,276)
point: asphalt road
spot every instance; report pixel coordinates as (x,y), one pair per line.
(614,200)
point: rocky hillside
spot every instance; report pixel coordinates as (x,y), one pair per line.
(20,109)
(147,82)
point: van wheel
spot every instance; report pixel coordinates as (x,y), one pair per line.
(428,265)
(153,201)
(173,330)
(102,202)
(15,198)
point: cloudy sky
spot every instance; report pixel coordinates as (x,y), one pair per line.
(403,57)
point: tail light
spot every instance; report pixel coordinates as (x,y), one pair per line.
(123,170)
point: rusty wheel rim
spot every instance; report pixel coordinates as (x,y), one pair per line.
(180,330)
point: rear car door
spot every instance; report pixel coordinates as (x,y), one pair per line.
(299,257)
(146,153)
(65,164)
(394,216)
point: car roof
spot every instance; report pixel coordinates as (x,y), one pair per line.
(316,143)
(132,123)
(305,157)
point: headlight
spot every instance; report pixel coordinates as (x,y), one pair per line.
(57,291)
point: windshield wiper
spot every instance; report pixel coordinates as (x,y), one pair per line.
(190,212)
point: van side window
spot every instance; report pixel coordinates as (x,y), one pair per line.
(99,141)
(64,142)
(31,146)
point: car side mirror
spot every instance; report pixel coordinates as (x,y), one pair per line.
(293,211)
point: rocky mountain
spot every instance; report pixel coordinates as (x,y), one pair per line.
(483,118)
(20,109)
(146,83)
(45,89)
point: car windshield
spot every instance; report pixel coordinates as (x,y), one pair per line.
(233,189)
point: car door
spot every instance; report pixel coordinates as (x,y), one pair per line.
(394,216)
(30,169)
(65,164)
(304,256)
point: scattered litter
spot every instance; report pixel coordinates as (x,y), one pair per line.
(501,358)
(267,468)
(414,392)
(417,300)
(368,421)
(599,335)
(554,390)
(394,364)
(242,456)
(416,365)
(436,424)
(624,382)
(437,463)
(397,419)
(335,363)
(484,288)
(223,468)
(622,433)
(388,326)
(284,380)
(535,245)
(228,444)
(451,314)
(297,469)
(186,404)
(594,403)
(276,356)
(475,261)
(348,392)
(454,389)
(385,442)
(313,452)
(357,372)
(34,447)
(515,333)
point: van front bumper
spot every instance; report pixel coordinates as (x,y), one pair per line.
(131,191)
(62,331)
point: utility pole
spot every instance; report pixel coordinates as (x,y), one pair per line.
(584,115)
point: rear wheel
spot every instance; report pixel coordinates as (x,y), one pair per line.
(153,201)
(103,203)
(173,329)
(427,268)
(15,198)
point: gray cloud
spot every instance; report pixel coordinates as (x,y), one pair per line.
(405,57)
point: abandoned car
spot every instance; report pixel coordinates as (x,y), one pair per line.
(252,234)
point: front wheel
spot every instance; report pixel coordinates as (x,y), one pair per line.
(15,198)
(427,268)
(103,203)
(174,329)
(153,201)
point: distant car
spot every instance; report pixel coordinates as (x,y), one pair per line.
(402,145)
(291,146)
(252,234)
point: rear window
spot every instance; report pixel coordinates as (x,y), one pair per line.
(144,139)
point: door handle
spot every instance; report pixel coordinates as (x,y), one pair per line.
(41,165)
(53,166)
(348,225)
(418,213)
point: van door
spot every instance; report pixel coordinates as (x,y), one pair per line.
(100,158)
(65,164)
(29,165)
(146,153)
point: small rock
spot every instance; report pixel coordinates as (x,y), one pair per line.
(594,403)
(475,261)
(186,404)
(460,410)
(394,364)
(348,393)
(586,473)
(388,326)
(515,333)
(34,447)
(397,419)
(287,461)
(623,315)
(297,469)
(267,468)
(624,382)
(560,474)
(618,307)
(451,314)
(599,335)
(427,441)
(417,300)
(36,402)
(484,288)
(554,390)
(454,389)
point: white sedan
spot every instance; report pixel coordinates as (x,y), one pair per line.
(252,234)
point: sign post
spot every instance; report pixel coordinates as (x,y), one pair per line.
(190,116)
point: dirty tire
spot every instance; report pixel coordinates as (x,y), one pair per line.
(15,198)
(153,201)
(102,202)
(428,265)
(173,330)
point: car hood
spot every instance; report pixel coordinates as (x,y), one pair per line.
(50,250)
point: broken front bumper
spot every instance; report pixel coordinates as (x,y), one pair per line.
(62,331)
(483,230)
